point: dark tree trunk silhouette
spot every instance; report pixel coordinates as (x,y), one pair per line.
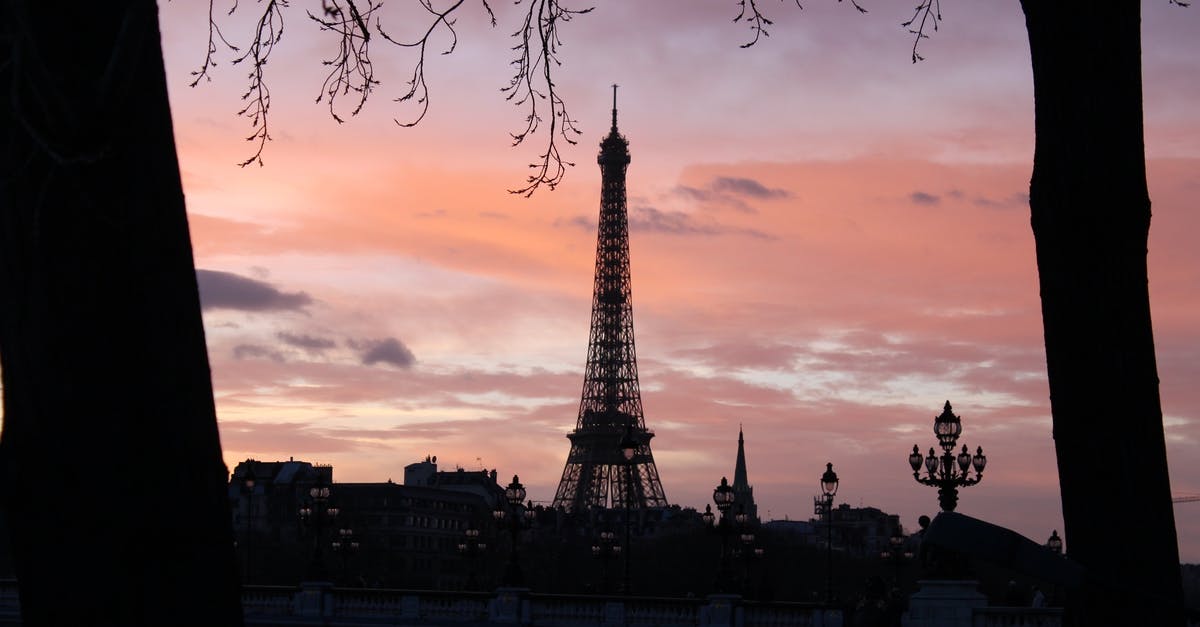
(1091,220)
(113,482)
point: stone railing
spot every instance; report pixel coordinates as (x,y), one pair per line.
(1016,617)
(314,604)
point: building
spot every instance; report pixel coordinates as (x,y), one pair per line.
(395,535)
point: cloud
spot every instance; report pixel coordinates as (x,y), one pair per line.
(924,198)
(653,220)
(309,343)
(746,187)
(386,351)
(1015,200)
(226,290)
(254,351)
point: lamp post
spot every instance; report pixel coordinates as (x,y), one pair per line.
(1054,543)
(344,544)
(514,495)
(628,448)
(723,498)
(316,513)
(897,553)
(947,473)
(746,536)
(829,487)
(471,548)
(605,549)
(248,483)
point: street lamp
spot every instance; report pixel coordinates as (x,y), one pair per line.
(605,549)
(471,548)
(345,545)
(316,513)
(723,497)
(746,536)
(514,496)
(897,553)
(248,482)
(1055,543)
(829,487)
(628,448)
(949,472)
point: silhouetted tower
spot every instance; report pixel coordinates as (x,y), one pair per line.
(743,492)
(610,413)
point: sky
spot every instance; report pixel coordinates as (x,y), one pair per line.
(827,243)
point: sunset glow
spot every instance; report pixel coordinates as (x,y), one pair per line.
(827,242)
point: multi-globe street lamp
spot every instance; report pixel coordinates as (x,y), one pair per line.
(628,448)
(345,545)
(318,513)
(948,472)
(829,488)
(605,549)
(723,497)
(897,553)
(471,548)
(514,510)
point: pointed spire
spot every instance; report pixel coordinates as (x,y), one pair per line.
(741,481)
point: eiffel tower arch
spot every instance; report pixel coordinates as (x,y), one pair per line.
(596,472)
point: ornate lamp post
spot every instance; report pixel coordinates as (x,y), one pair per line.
(316,514)
(1054,543)
(628,449)
(605,549)
(249,480)
(746,537)
(947,473)
(723,498)
(514,496)
(897,553)
(345,545)
(829,487)
(471,548)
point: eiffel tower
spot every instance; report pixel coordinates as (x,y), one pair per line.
(597,473)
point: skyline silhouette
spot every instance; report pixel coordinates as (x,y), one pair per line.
(830,306)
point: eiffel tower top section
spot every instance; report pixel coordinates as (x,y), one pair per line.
(597,474)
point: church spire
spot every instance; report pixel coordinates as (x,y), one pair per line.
(739,470)
(743,492)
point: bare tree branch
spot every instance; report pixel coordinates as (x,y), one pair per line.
(930,14)
(537,54)
(351,68)
(214,34)
(267,33)
(758,22)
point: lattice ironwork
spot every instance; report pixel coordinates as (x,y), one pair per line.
(596,473)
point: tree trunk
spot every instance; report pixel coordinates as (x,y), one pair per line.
(1091,220)
(113,486)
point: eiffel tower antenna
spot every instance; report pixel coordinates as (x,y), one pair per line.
(610,412)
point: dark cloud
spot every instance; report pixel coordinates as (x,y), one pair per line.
(674,222)
(226,290)
(583,223)
(692,193)
(1016,200)
(746,187)
(309,343)
(386,351)
(254,351)
(650,219)
(924,198)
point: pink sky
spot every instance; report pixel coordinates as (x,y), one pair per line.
(827,243)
